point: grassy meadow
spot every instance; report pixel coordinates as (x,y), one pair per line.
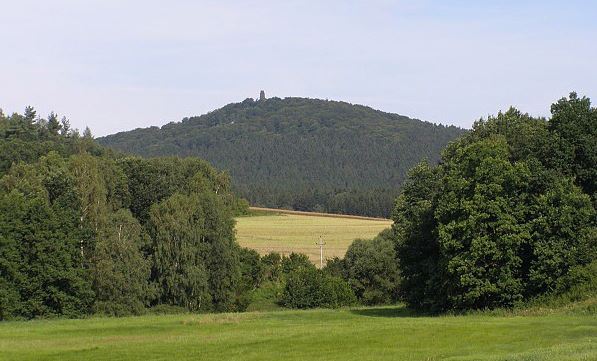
(387,333)
(285,233)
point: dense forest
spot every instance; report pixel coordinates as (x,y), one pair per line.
(84,230)
(506,219)
(302,154)
(507,216)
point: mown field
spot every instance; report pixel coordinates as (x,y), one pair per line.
(389,333)
(286,233)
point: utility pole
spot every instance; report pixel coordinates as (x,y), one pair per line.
(321,243)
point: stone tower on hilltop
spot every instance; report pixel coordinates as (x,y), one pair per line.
(262,95)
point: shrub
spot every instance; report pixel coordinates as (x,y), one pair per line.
(252,269)
(272,266)
(295,261)
(334,267)
(371,270)
(581,280)
(310,288)
(163,309)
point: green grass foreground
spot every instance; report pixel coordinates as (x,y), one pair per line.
(357,334)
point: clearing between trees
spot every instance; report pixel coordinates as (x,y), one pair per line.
(289,231)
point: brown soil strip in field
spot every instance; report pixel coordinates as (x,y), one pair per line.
(316,214)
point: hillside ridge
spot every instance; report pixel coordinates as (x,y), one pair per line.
(301,153)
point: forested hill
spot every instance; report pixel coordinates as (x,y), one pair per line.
(299,153)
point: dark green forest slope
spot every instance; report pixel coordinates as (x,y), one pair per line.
(299,153)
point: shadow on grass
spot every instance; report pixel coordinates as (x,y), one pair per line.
(395,311)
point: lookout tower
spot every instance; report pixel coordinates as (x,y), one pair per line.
(262,95)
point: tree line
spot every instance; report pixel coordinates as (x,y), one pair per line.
(505,219)
(506,216)
(84,230)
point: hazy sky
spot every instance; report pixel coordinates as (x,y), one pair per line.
(117,65)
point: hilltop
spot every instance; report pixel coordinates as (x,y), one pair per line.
(300,153)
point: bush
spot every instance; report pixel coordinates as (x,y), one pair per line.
(580,280)
(294,262)
(371,270)
(272,266)
(334,267)
(163,309)
(266,297)
(310,288)
(337,293)
(252,269)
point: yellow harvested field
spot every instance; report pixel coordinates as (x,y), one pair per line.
(286,233)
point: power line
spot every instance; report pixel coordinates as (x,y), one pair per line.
(321,243)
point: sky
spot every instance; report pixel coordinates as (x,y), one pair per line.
(116,65)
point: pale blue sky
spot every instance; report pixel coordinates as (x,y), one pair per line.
(117,65)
